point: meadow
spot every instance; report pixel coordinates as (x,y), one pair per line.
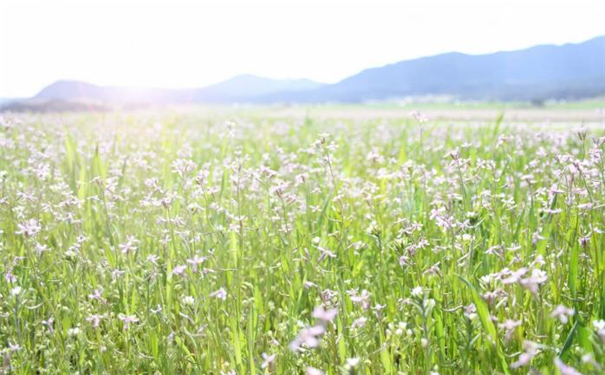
(293,242)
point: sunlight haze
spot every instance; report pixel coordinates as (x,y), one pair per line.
(192,44)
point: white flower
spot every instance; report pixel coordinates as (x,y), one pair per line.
(417,291)
(188,300)
(598,324)
(352,362)
(314,371)
(73,332)
(220,294)
(41,249)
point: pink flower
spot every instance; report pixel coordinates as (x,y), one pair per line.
(565,369)
(179,270)
(308,336)
(531,349)
(563,313)
(324,315)
(196,261)
(95,320)
(267,360)
(29,228)
(128,319)
(363,299)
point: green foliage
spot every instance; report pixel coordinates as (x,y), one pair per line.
(203,241)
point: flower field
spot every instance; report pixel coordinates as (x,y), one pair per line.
(193,242)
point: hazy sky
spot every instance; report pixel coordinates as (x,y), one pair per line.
(191,44)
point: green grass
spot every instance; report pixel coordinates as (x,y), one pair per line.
(435,222)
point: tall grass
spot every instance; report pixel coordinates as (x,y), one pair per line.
(179,243)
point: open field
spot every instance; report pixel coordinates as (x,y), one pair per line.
(356,240)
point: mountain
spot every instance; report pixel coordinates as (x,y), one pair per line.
(542,72)
(246,87)
(239,88)
(569,71)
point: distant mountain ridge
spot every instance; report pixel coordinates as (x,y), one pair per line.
(569,71)
(238,88)
(541,72)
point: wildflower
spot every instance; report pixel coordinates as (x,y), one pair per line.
(308,336)
(49,323)
(470,311)
(153,259)
(96,294)
(363,300)
(94,320)
(41,249)
(324,315)
(131,245)
(563,313)
(188,300)
(220,294)
(566,369)
(424,343)
(599,326)
(509,327)
(73,332)
(417,291)
(404,261)
(515,276)
(530,350)
(16,291)
(128,319)
(325,253)
(314,371)
(267,360)
(531,283)
(29,228)
(359,322)
(581,132)
(352,363)
(196,261)
(9,277)
(179,270)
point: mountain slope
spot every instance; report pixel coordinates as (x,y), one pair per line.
(239,88)
(568,71)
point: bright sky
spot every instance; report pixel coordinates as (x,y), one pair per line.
(195,43)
